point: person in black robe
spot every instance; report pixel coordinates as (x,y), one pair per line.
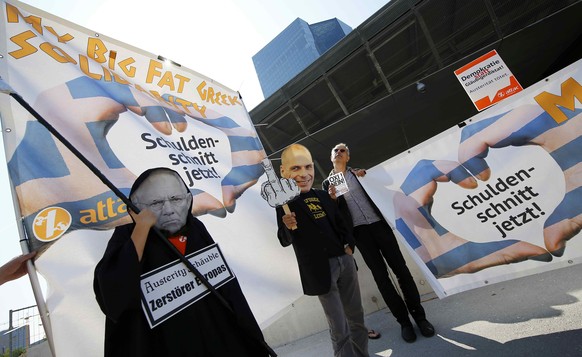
(205,328)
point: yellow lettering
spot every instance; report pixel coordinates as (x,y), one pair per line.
(139,88)
(153,70)
(121,208)
(89,218)
(84,65)
(101,214)
(549,102)
(167,80)
(119,79)
(112,57)
(58,54)
(211,95)
(156,95)
(159,97)
(183,103)
(25,47)
(182,80)
(12,14)
(106,75)
(126,68)
(201,110)
(220,98)
(62,38)
(201,91)
(233,100)
(96,50)
(103,211)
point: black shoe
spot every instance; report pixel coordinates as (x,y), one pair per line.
(426,328)
(408,333)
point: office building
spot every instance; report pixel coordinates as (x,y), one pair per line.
(294,49)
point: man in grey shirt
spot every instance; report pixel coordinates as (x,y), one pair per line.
(378,245)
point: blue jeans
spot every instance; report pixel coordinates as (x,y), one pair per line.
(343,309)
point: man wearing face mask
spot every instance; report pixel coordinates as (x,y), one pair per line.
(323,247)
(204,328)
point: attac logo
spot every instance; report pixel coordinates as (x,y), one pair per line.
(51,223)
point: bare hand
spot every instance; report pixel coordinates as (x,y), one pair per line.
(290,221)
(331,190)
(359,172)
(15,268)
(144,221)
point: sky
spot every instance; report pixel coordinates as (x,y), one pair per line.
(215,38)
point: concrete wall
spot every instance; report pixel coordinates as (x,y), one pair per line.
(305,317)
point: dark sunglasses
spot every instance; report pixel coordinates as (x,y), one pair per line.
(340,150)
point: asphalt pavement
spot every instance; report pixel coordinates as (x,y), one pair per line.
(538,315)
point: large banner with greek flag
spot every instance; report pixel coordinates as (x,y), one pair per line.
(125,110)
(496,198)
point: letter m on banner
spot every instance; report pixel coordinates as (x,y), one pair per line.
(571,90)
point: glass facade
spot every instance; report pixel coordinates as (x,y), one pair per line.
(295,48)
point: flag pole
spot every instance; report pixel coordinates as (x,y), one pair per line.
(38,297)
(31,270)
(5,88)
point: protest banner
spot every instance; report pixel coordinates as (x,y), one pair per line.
(497,197)
(125,110)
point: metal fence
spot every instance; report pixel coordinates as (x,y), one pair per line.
(23,330)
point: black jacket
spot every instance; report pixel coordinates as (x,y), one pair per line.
(205,328)
(311,253)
